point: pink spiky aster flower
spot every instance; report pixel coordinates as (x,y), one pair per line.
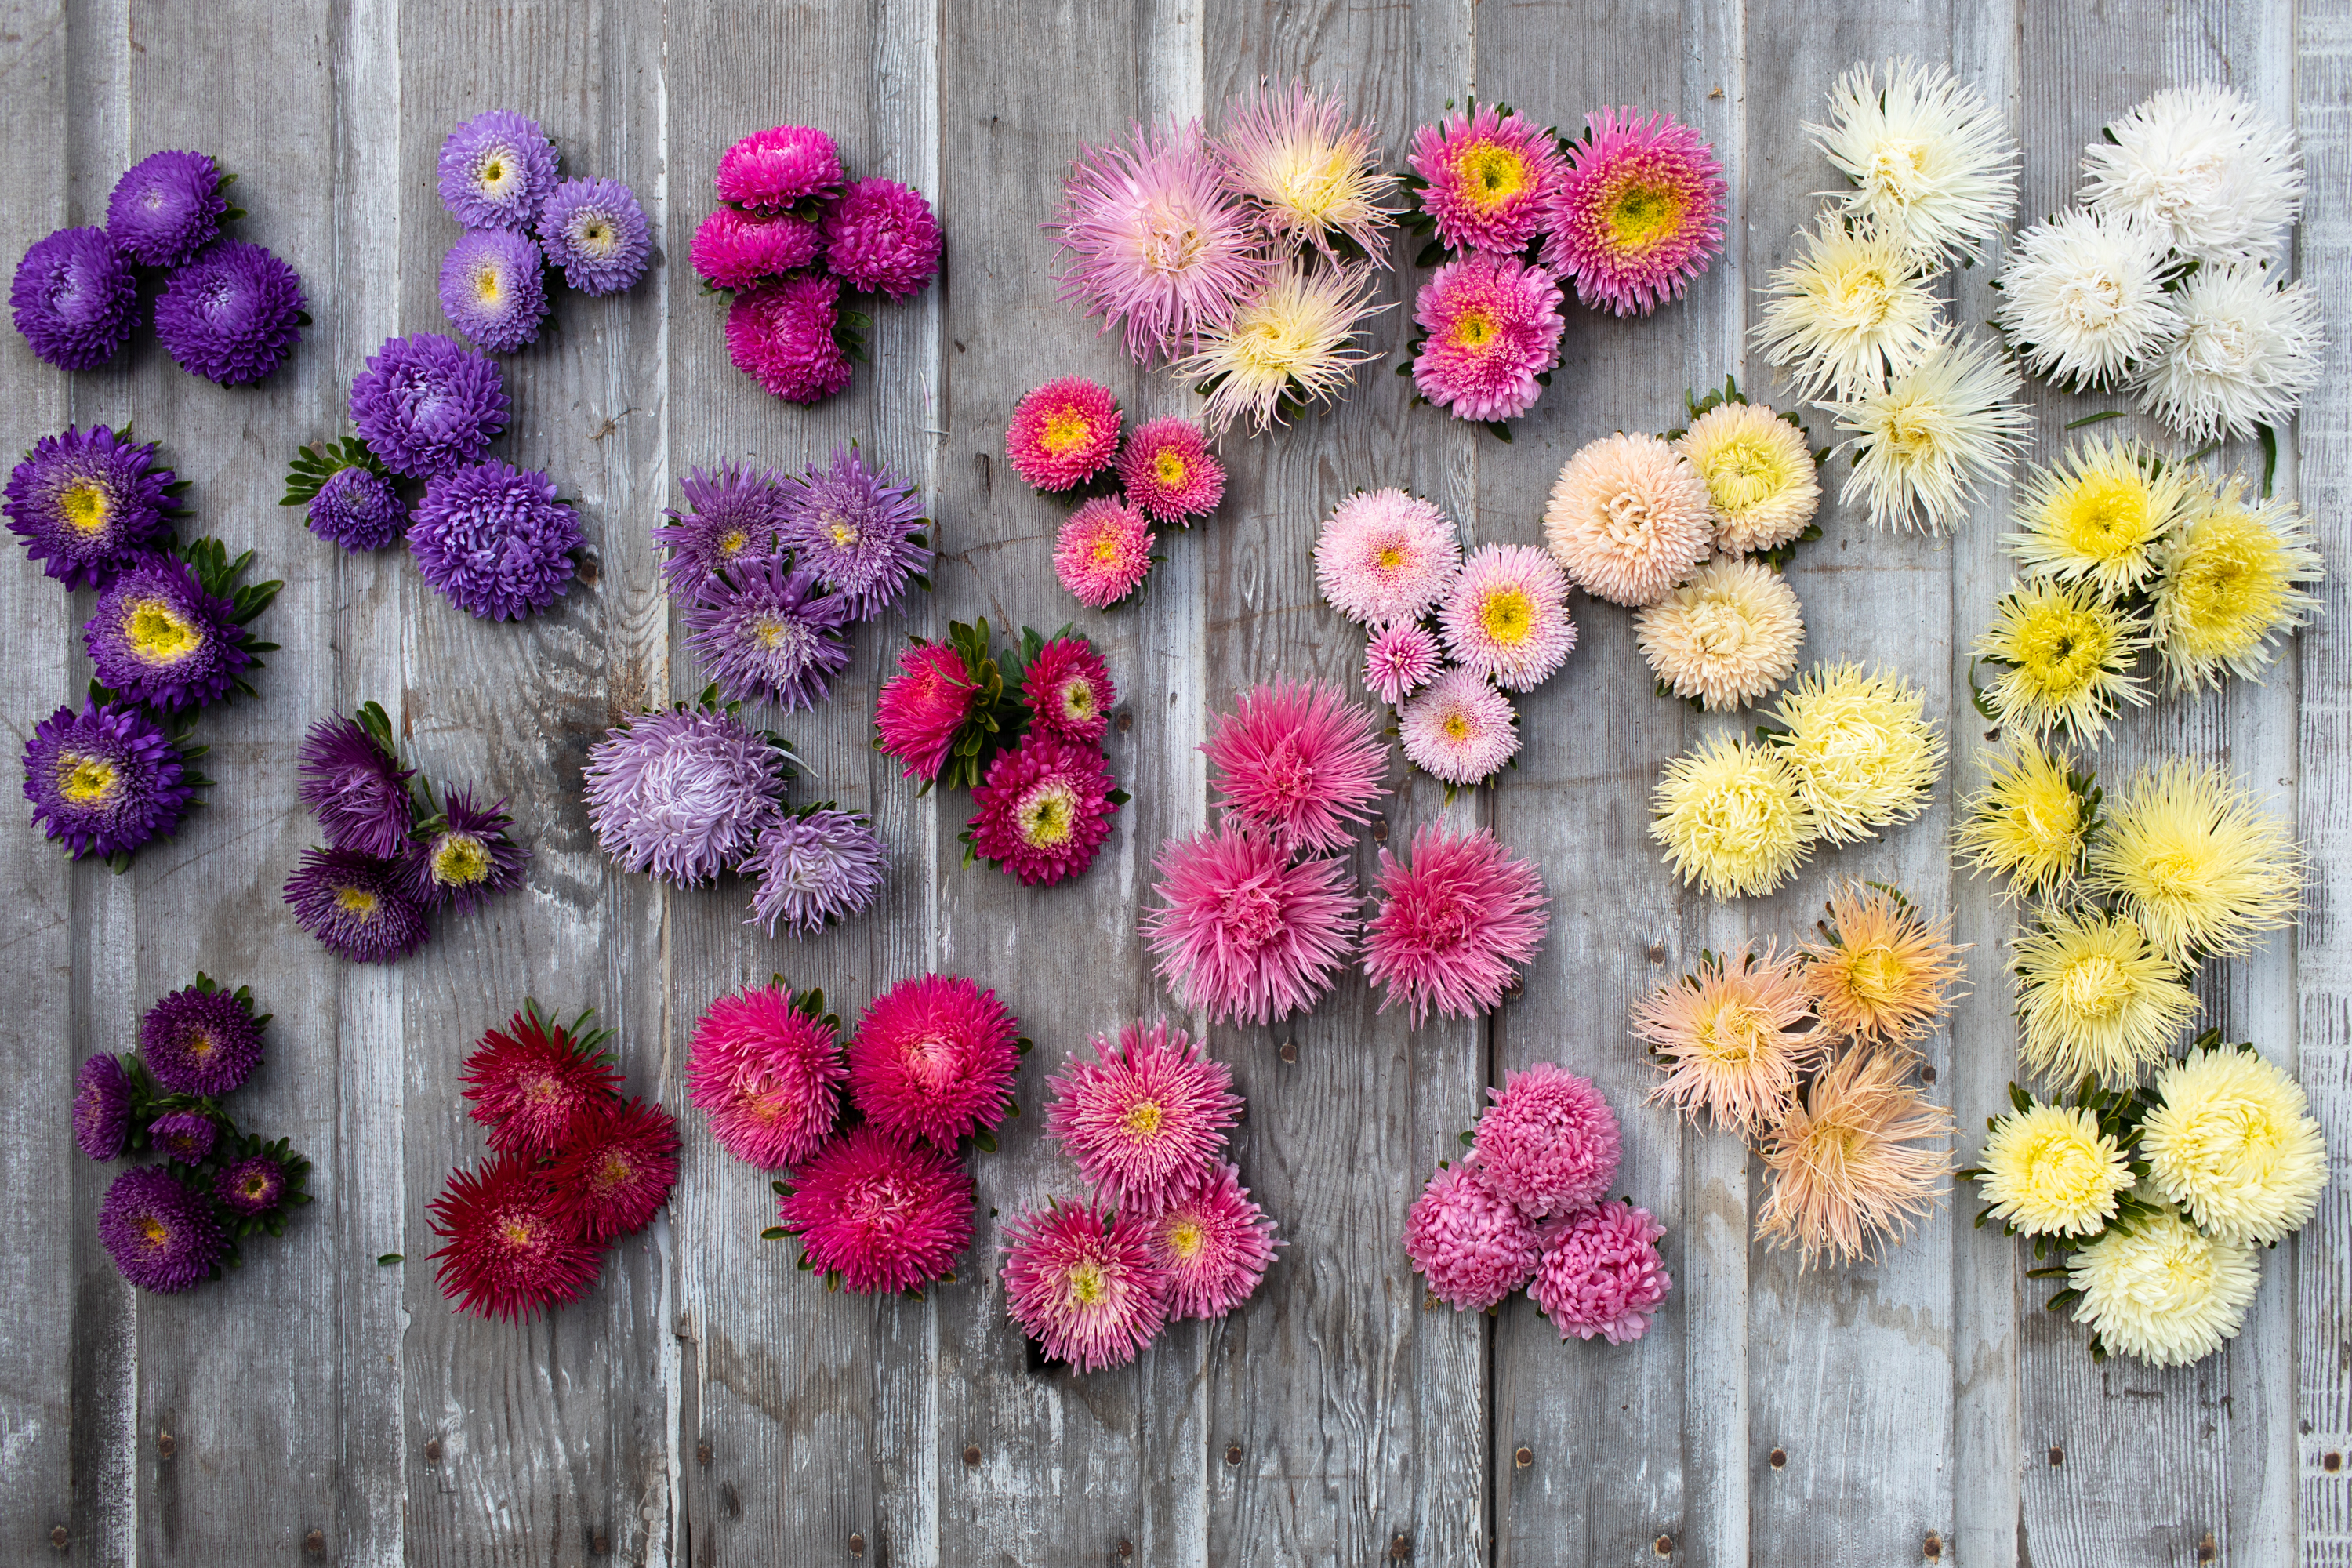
(1144,1118)
(1242,933)
(768,1075)
(1169,472)
(1103,553)
(1506,616)
(1458,915)
(1310,171)
(934,1058)
(921,706)
(1491,177)
(1640,213)
(883,1214)
(1493,325)
(1600,1274)
(1063,433)
(1399,661)
(1083,1284)
(1470,1242)
(1068,692)
(772,170)
(1214,1242)
(1460,729)
(1550,1142)
(1298,764)
(1045,809)
(1386,557)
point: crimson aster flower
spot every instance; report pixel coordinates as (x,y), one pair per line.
(509,1249)
(882,238)
(1241,932)
(1298,764)
(733,249)
(933,1058)
(1493,326)
(1068,692)
(769,1076)
(1083,1284)
(614,1173)
(884,1213)
(921,707)
(537,1085)
(1458,917)
(1144,1119)
(1640,213)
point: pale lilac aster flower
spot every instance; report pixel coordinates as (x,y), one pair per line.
(684,794)
(595,231)
(734,518)
(495,170)
(814,868)
(493,289)
(859,529)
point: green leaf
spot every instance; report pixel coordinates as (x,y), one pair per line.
(2094,418)
(389,1258)
(775,1233)
(985,1141)
(2270,456)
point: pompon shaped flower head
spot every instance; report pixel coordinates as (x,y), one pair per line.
(1851,309)
(1629,517)
(1883,973)
(1602,1274)
(427,405)
(2249,350)
(780,167)
(884,1213)
(2213,175)
(355,906)
(161,639)
(1299,763)
(102,1107)
(2229,580)
(815,868)
(882,238)
(933,1058)
(1145,1119)
(496,171)
(182,1137)
(1239,932)
(2048,1169)
(1310,173)
(1760,478)
(105,781)
(1044,812)
(1399,660)
(2093,998)
(1726,637)
(1639,213)
(2083,296)
(1932,166)
(232,315)
(1860,1158)
(251,1187)
(1214,1242)
(494,290)
(1549,1143)
(464,855)
(357,508)
(494,540)
(1083,1284)
(781,333)
(2100,514)
(1732,817)
(595,231)
(734,518)
(160,1232)
(768,632)
(1925,446)
(2065,656)
(922,707)
(2231,1140)
(1068,692)
(200,1040)
(1385,558)
(2162,1290)
(1860,743)
(683,794)
(1290,346)
(1063,433)
(1488,178)
(89,503)
(768,1073)
(537,1084)
(1732,1038)
(2031,821)
(354,786)
(1493,326)
(166,207)
(1471,1243)
(1169,473)
(1103,553)
(617,1169)
(75,297)
(1157,243)
(2197,861)
(859,529)
(1458,917)
(509,1249)
(734,249)
(1459,729)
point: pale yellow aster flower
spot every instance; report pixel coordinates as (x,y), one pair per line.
(2162,1290)
(1760,475)
(1294,344)
(1883,972)
(1851,310)
(2100,514)
(1731,819)
(2067,656)
(1731,1038)
(2030,823)
(2197,861)
(2049,1171)
(1861,1157)
(2094,999)
(2228,582)
(1925,446)
(1312,172)
(1726,637)
(2231,1140)
(1861,746)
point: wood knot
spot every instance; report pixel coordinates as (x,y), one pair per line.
(431,1450)
(2057,1455)
(165,1445)
(1290,1051)
(1232,1453)
(1777,1458)
(1379,830)
(601,1543)
(2331,1463)
(1524,1458)
(1927,1073)
(1400,1547)
(1126,1549)
(1933,1548)
(856,1544)
(702,1454)
(1663,1546)
(315,1543)
(971,1456)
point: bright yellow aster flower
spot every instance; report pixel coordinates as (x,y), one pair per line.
(2231,582)
(1862,751)
(1731,819)
(2067,655)
(2232,1141)
(2030,822)
(1885,972)
(2197,861)
(2049,1171)
(2094,999)
(2100,514)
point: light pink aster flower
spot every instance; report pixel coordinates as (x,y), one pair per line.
(1470,1242)
(1063,433)
(1600,1274)
(1457,916)
(1640,213)
(1490,177)
(1550,1142)
(1493,325)
(1298,764)
(1214,1242)
(883,1214)
(1385,556)
(1399,661)
(1103,553)
(1169,472)
(1506,616)
(1242,933)
(1083,1284)
(934,1058)
(768,1075)
(1144,1118)
(1309,170)
(1629,517)
(771,170)
(1459,729)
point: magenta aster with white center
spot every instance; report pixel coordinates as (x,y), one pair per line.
(1385,557)
(933,1058)
(1145,1117)
(1491,178)
(1458,917)
(1471,1243)
(1399,661)
(1459,729)
(1298,764)
(1063,433)
(1640,213)
(1506,616)
(1600,1274)
(1214,1242)
(1068,692)
(1103,553)
(1493,325)
(1169,472)
(1044,810)
(1241,932)
(1084,1284)
(1550,1142)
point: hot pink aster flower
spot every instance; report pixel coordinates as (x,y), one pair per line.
(882,238)
(1298,764)
(1385,557)
(1169,472)
(1493,326)
(1063,434)
(1550,1142)
(1044,809)
(1067,690)
(1490,178)
(1460,729)
(1144,1120)
(1399,661)
(1600,1274)
(768,1075)
(1244,934)
(734,249)
(921,706)
(1639,212)
(1456,917)
(882,1213)
(780,333)
(1506,616)
(1214,1242)
(1083,1284)
(934,1058)
(771,170)
(1469,1241)
(1103,553)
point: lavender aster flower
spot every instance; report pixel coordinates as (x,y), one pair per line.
(355,787)
(814,867)
(861,532)
(357,508)
(75,297)
(160,638)
(767,631)
(354,905)
(232,315)
(684,794)
(89,503)
(736,518)
(162,1236)
(492,288)
(496,169)
(251,1187)
(185,1136)
(200,1040)
(166,207)
(495,541)
(427,404)
(105,781)
(463,855)
(101,1108)
(595,231)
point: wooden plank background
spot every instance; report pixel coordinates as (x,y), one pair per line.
(708,1405)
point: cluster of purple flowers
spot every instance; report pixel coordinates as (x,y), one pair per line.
(229,311)
(171,1227)
(397,850)
(793,230)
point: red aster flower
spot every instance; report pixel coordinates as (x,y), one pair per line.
(617,1170)
(537,1084)
(884,1213)
(511,1251)
(934,1058)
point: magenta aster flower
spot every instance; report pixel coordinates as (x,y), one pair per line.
(355,905)
(161,1234)
(1169,472)
(1386,557)
(882,238)
(1084,1284)
(1214,1242)
(1548,1144)
(184,1137)
(1602,1274)
(160,638)
(617,1169)
(464,856)
(884,1213)
(1298,764)
(734,517)
(595,231)
(769,1076)
(1507,618)
(536,1085)
(1459,729)
(356,788)
(251,1187)
(1044,810)
(200,1040)
(1469,1241)
(101,1108)
(781,335)
(89,503)
(76,298)
(1103,553)
(1145,1119)
(771,170)
(1400,660)
(166,208)
(106,780)
(921,707)
(1489,178)
(683,794)
(427,405)
(859,529)
(1639,214)
(1493,325)
(1067,692)
(814,868)
(1063,433)
(494,540)
(494,288)
(734,249)
(1241,932)
(1457,917)
(933,1058)
(357,508)
(767,632)
(232,315)
(495,170)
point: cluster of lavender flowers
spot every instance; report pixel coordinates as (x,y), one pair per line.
(398,849)
(497,178)
(792,232)
(171,1227)
(229,311)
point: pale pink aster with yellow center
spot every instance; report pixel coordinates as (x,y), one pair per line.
(1493,326)
(1491,178)
(1399,661)
(1629,517)
(1214,1242)
(1460,729)
(1144,1118)
(1063,433)
(1298,764)
(1292,345)
(1386,557)
(1639,214)
(1506,616)
(1103,553)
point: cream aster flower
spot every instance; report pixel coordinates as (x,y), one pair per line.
(2082,297)
(2213,175)
(1852,309)
(1628,519)
(2099,514)
(2067,655)
(2248,350)
(2049,1171)
(1861,746)
(2232,1141)
(2230,582)
(1731,819)
(2161,1291)
(1760,475)
(2094,999)
(2030,823)
(1726,637)
(1933,166)
(2197,861)
(1311,172)
(1293,345)
(1923,446)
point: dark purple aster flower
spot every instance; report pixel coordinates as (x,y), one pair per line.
(160,638)
(101,1108)
(496,169)
(427,404)
(464,856)
(814,867)
(166,207)
(89,503)
(186,1136)
(106,780)
(251,1187)
(75,297)
(198,1041)
(354,904)
(858,531)
(684,794)
(595,231)
(232,315)
(494,540)
(357,790)
(357,508)
(882,238)
(163,1237)
(768,631)
(493,289)
(735,517)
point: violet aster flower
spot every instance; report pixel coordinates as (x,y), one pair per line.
(357,508)
(882,238)
(426,404)
(355,787)
(162,1236)
(75,297)
(493,289)
(495,541)
(161,639)
(766,631)
(166,207)
(595,231)
(495,170)
(860,531)
(771,170)
(89,503)
(201,1039)
(354,905)
(185,1136)
(734,249)
(815,867)
(232,315)
(781,335)
(106,780)
(102,1107)
(734,517)
(462,857)
(684,794)
(251,1187)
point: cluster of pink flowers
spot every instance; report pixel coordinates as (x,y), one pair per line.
(791,233)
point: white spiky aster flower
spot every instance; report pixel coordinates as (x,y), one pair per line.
(1294,343)
(2100,514)
(2214,175)
(1933,166)
(2163,1290)
(2249,350)
(1849,309)
(1927,445)
(2082,297)
(2228,581)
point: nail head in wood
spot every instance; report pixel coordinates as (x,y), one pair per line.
(1663,1546)
(2332,1463)
(1524,1458)
(601,1543)
(2057,1455)
(1657,954)
(1290,1051)
(702,1454)
(1777,1458)
(1232,1453)
(1127,1549)
(59,1539)
(1927,1073)
(970,1455)
(1513,989)
(431,1450)
(856,1545)
(315,1543)
(1379,830)
(1400,1547)
(2208,1549)
(164,1445)
(1933,1549)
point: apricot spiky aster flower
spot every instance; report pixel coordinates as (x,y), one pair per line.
(1861,1158)
(1883,971)
(1732,1038)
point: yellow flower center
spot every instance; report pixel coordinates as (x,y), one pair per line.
(2061,649)
(1865,295)
(1645,216)
(518,1232)
(2064,1171)
(1186,1237)
(86,781)
(159,634)
(731,542)
(495,172)
(614,1171)
(1473,329)
(1065,430)
(1078,701)
(771,631)
(2103,517)
(201,1044)
(2232,588)
(1047,818)
(356,901)
(1088,1284)
(153,1232)
(1732,1033)
(1744,473)
(1105,546)
(1877,974)
(1456,726)
(1143,1119)
(1898,170)
(596,237)
(488,288)
(2094,986)
(1490,174)
(1169,466)
(1508,617)
(461,860)
(85,506)
(1390,557)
